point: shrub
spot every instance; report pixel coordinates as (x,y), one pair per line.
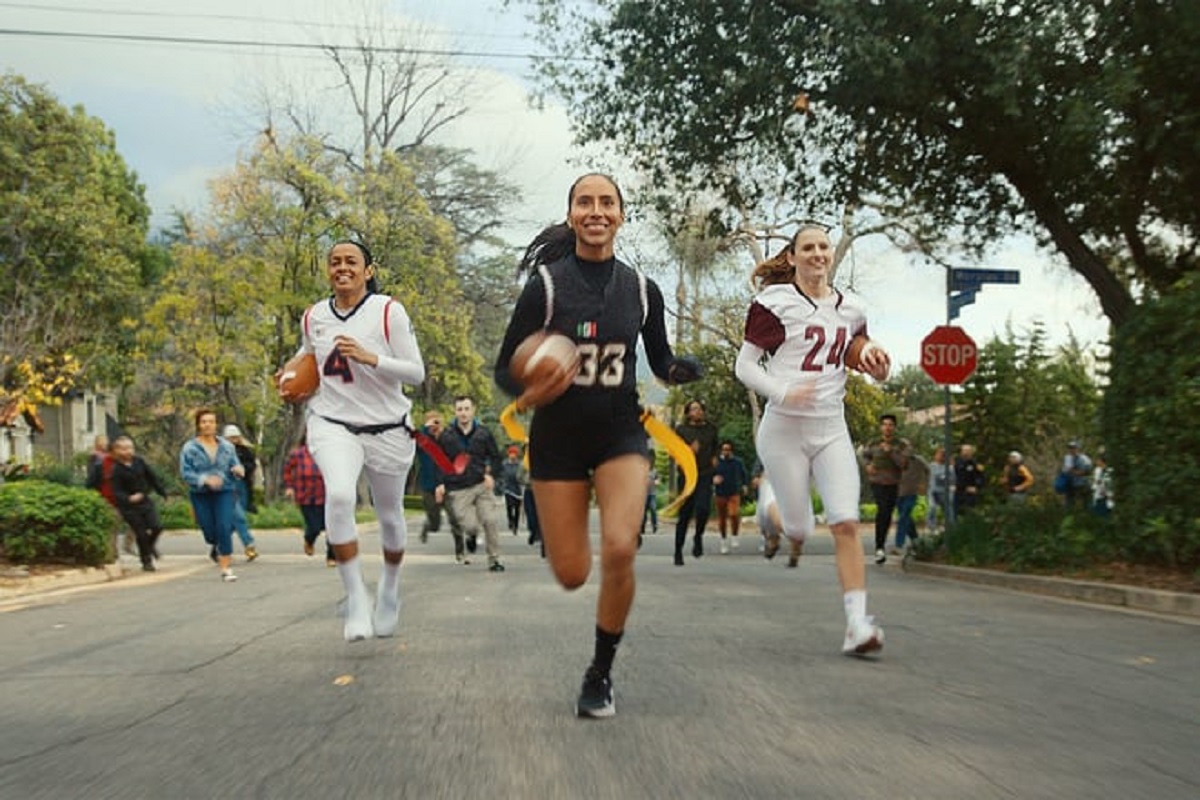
(1039,536)
(176,514)
(1151,420)
(42,521)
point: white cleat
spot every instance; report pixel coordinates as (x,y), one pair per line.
(863,637)
(358,618)
(387,614)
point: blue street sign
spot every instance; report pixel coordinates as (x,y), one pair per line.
(968,279)
(959,300)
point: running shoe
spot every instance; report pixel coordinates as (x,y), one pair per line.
(724,547)
(251,552)
(308,547)
(880,556)
(863,637)
(596,696)
(472,544)
(772,547)
(495,566)
(227,576)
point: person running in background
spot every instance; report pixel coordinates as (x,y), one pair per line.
(651,513)
(243,490)
(210,467)
(132,482)
(729,484)
(429,477)
(941,487)
(885,461)
(513,480)
(701,435)
(304,486)
(914,481)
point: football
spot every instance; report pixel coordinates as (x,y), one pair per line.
(545,364)
(860,346)
(298,379)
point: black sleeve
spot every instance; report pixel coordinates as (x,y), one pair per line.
(529,316)
(663,363)
(95,474)
(153,481)
(654,333)
(123,484)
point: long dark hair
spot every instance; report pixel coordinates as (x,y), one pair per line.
(372,282)
(558,240)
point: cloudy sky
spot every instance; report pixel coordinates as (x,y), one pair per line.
(182,112)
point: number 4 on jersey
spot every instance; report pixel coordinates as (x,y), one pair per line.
(337,365)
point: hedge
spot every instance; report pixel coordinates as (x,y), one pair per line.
(42,521)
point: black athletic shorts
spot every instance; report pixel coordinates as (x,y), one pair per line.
(569,447)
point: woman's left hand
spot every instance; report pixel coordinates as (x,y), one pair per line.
(351,349)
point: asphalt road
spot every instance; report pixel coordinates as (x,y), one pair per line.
(730,684)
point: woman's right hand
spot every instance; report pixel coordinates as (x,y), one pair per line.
(800,394)
(214,482)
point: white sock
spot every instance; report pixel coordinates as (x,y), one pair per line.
(855,601)
(387,601)
(358,601)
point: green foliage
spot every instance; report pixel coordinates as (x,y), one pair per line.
(1151,421)
(48,522)
(276,515)
(175,513)
(73,224)
(1074,116)
(1024,397)
(1038,536)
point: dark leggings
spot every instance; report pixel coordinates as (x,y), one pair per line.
(885,505)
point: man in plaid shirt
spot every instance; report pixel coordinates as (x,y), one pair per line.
(307,488)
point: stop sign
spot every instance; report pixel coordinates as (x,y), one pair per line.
(948,355)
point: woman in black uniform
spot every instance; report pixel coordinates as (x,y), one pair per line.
(593,431)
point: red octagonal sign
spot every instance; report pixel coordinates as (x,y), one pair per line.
(948,354)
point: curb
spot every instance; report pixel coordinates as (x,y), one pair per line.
(1110,594)
(15,584)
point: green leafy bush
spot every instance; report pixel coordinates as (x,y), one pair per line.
(42,521)
(1151,422)
(1038,536)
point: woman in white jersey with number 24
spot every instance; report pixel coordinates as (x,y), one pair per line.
(798,331)
(366,352)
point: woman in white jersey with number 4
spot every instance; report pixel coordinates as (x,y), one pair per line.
(798,330)
(366,352)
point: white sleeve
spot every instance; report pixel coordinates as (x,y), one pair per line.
(403,361)
(750,371)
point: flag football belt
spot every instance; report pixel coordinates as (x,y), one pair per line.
(371,429)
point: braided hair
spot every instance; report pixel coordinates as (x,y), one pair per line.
(557,241)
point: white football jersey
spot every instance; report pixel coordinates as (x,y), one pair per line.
(803,339)
(359,393)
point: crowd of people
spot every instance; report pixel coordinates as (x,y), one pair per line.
(587,442)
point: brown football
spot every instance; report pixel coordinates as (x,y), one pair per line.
(854,358)
(854,352)
(545,364)
(298,379)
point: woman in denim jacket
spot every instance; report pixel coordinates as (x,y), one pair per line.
(210,466)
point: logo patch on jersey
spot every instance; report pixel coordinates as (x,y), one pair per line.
(586,330)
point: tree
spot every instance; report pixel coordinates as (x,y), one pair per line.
(1072,119)
(1024,397)
(73,223)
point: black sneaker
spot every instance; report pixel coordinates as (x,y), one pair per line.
(212,553)
(495,566)
(596,696)
(472,544)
